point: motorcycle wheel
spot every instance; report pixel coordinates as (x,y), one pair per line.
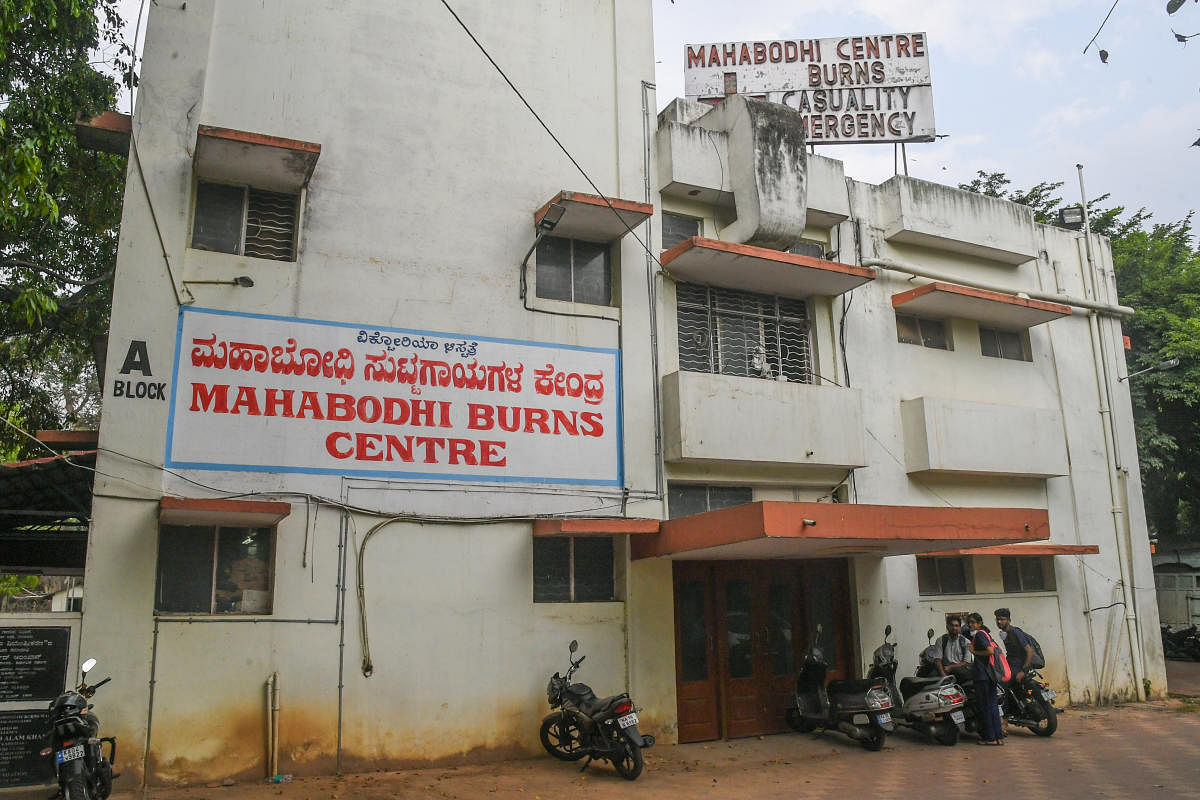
(628,760)
(77,789)
(563,744)
(1049,721)
(797,722)
(875,741)
(945,733)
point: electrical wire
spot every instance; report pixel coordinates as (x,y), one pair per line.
(1102,24)
(546,127)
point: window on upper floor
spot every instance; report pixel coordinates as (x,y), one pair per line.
(740,333)
(677,228)
(573,569)
(922,331)
(574,270)
(685,499)
(209,569)
(245,221)
(944,575)
(1028,573)
(1003,344)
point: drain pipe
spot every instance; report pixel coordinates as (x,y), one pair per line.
(273,716)
(1107,309)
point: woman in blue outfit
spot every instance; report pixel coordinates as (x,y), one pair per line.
(982,648)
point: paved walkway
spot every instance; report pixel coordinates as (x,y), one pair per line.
(1183,677)
(1149,750)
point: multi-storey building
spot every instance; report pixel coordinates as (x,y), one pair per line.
(407,387)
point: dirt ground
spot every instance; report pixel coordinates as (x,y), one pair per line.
(1137,750)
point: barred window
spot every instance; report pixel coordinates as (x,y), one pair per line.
(740,333)
(245,221)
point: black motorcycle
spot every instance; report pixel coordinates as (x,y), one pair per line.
(859,709)
(586,725)
(82,769)
(1181,643)
(1030,704)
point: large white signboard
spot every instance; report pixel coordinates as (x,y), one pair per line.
(278,394)
(850,89)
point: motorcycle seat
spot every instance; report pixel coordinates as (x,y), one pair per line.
(595,705)
(910,686)
(851,686)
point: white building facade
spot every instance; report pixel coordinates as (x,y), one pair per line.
(361,434)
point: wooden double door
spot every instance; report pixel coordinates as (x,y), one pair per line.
(741,628)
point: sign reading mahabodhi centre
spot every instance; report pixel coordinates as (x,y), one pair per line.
(850,89)
(279,394)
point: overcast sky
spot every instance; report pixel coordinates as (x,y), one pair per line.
(1011,87)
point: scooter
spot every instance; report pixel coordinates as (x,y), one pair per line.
(859,709)
(931,706)
(82,769)
(585,725)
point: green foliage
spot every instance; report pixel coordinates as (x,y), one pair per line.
(1158,274)
(60,208)
(13,585)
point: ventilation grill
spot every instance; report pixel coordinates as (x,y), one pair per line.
(271,225)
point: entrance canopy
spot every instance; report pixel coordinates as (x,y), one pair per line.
(45,505)
(772,529)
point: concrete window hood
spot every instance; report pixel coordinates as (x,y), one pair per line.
(215,511)
(759,269)
(589,217)
(265,162)
(993,309)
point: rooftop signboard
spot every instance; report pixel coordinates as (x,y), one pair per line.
(847,90)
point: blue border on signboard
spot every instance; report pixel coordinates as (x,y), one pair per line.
(398,474)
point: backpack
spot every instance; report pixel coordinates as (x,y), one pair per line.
(997,664)
(1039,660)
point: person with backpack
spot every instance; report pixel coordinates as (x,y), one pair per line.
(1017,644)
(989,669)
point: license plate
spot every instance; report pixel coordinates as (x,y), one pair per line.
(69,754)
(1049,694)
(957,717)
(884,719)
(627,721)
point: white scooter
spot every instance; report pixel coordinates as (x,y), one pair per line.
(932,706)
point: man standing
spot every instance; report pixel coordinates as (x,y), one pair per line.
(1017,647)
(954,651)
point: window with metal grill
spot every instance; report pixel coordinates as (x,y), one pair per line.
(740,333)
(573,270)
(245,221)
(1002,344)
(677,228)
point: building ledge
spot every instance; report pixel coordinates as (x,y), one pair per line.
(589,217)
(69,440)
(256,159)
(993,309)
(216,511)
(109,132)
(759,269)
(1024,550)
(558,527)
(774,529)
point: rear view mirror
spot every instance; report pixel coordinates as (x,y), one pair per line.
(87,666)
(573,646)
(929,633)
(887,631)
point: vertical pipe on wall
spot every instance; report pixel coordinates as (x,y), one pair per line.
(273,716)
(1112,454)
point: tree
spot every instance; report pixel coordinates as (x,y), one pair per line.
(1158,274)
(59,210)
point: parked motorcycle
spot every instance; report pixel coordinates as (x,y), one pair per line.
(82,769)
(859,709)
(1030,704)
(585,725)
(1181,643)
(931,706)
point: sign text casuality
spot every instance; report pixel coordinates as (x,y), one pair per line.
(277,394)
(850,89)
